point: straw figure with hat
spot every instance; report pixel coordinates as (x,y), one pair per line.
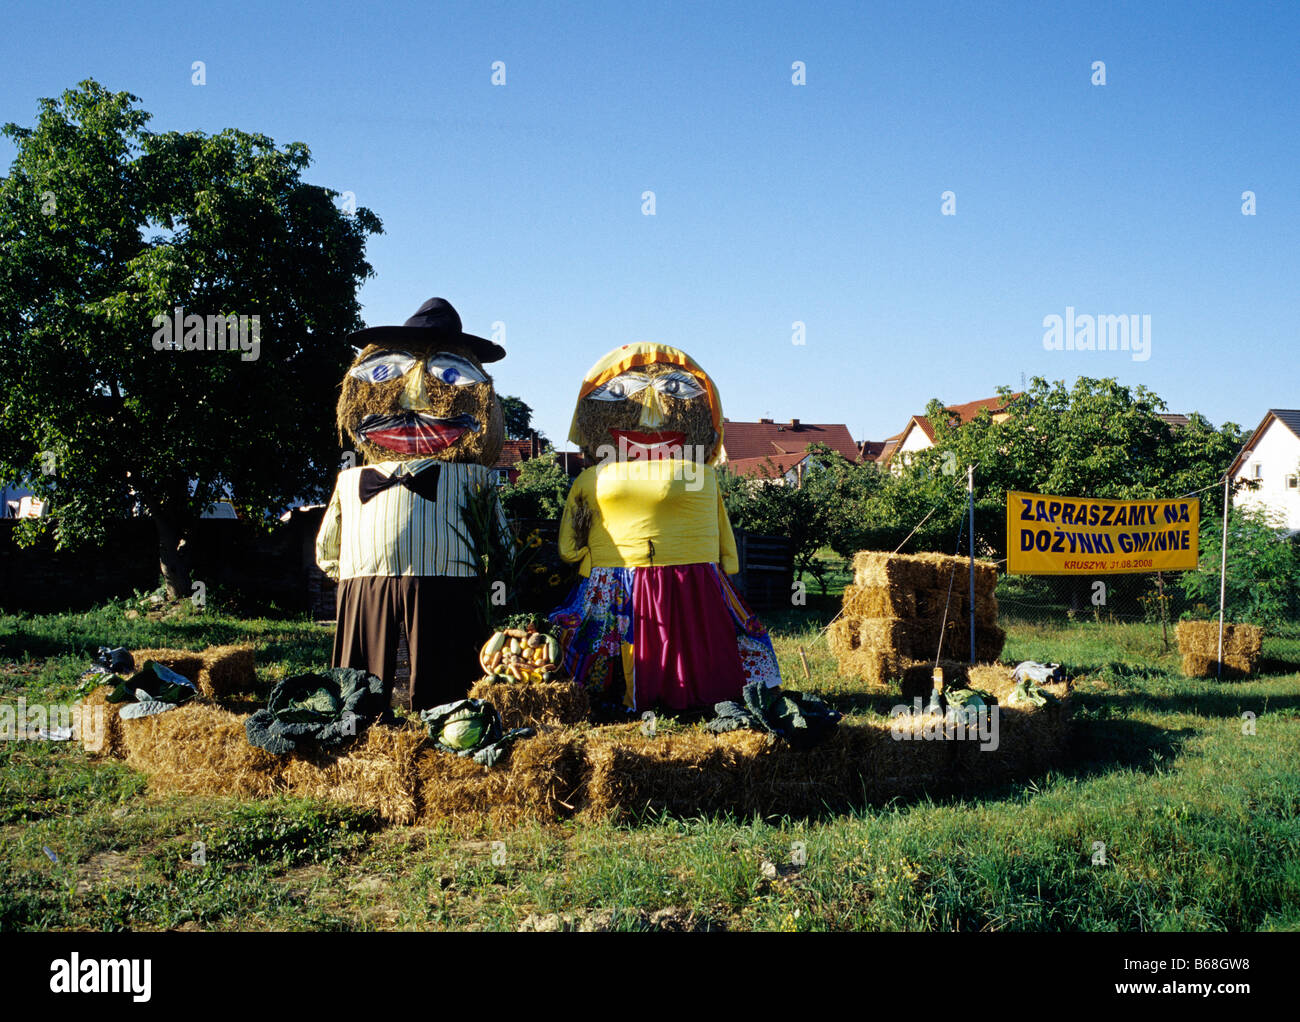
(654,621)
(420,409)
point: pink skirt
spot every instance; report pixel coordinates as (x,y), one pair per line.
(693,640)
(686,655)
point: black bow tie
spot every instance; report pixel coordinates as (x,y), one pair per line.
(423,483)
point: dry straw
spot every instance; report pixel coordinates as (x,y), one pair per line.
(103,737)
(606,772)
(904,610)
(358,398)
(861,763)
(1198,642)
(542,780)
(534,704)
(218,672)
(692,417)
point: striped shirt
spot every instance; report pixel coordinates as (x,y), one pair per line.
(397,532)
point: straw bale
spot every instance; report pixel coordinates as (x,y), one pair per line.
(1198,642)
(745,772)
(845,634)
(534,704)
(226,670)
(1031,740)
(879,649)
(376,772)
(541,779)
(879,601)
(197,749)
(605,772)
(185,662)
(691,772)
(104,736)
(923,571)
(870,667)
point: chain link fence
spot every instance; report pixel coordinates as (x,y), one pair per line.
(1159,600)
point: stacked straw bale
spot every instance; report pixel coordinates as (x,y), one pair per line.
(535,704)
(217,672)
(1198,642)
(893,615)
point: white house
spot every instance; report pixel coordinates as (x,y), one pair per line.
(1271,458)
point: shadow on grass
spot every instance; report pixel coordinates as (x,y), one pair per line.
(1272,666)
(1098,747)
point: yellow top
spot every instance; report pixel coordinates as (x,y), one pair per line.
(652,512)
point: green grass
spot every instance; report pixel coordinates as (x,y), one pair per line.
(1200,822)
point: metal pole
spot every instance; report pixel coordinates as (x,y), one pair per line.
(1223,573)
(970,486)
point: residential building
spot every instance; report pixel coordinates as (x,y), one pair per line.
(780,449)
(1271,460)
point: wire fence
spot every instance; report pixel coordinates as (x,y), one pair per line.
(1153,599)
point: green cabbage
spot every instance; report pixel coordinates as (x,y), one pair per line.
(463,731)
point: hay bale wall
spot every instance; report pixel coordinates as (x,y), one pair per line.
(1198,642)
(199,749)
(862,763)
(894,614)
(608,772)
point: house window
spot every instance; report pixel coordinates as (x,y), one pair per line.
(1257,471)
(1293,482)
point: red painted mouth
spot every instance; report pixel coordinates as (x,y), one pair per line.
(413,433)
(635,442)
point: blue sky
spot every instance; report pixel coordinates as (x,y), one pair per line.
(775,203)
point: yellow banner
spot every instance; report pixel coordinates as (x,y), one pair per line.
(1074,535)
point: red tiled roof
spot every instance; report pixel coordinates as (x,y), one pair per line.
(513,452)
(773,465)
(964,413)
(743,441)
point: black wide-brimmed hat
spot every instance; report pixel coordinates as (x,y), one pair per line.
(435,320)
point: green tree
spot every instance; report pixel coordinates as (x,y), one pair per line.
(538,492)
(1095,439)
(104,228)
(843,492)
(766,505)
(518,416)
(1263,577)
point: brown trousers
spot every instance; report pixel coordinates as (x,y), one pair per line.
(442,632)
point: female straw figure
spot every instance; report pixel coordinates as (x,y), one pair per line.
(655,620)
